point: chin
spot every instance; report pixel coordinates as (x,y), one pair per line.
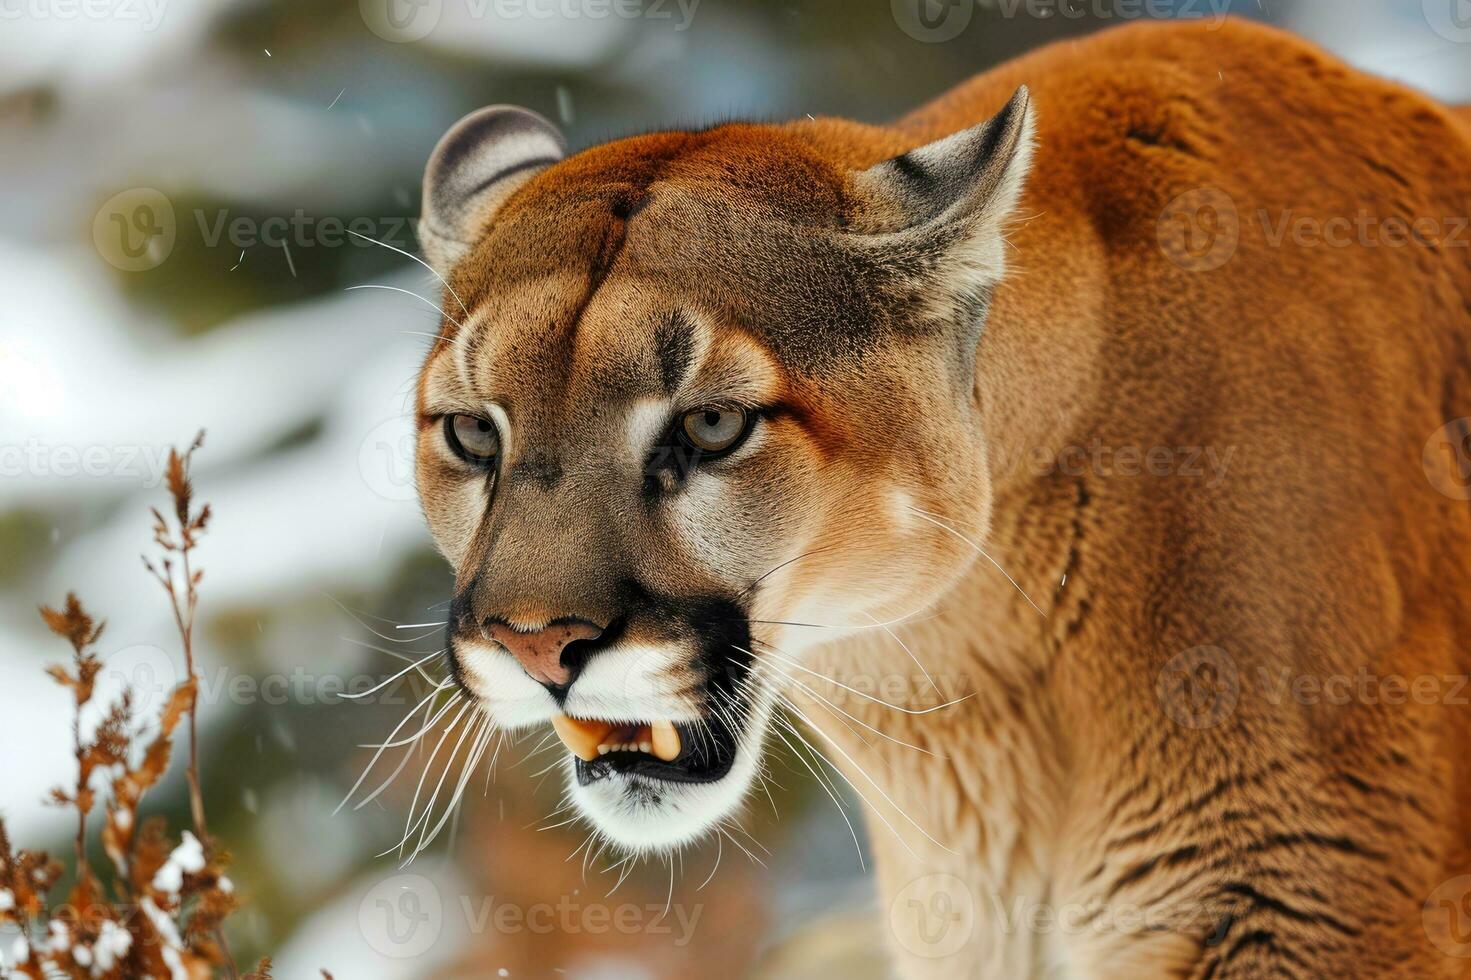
(646,806)
(652,767)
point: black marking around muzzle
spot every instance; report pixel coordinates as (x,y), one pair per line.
(461,615)
(721,635)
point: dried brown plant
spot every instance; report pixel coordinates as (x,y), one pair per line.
(160,911)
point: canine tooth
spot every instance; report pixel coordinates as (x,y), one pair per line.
(664,741)
(581,737)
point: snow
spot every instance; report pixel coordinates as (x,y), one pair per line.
(187,858)
(81,44)
(113,943)
(355,935)
(337,510)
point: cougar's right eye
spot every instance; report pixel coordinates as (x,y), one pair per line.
(473,439)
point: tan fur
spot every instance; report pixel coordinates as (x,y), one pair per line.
(1273,838)
(1324,550)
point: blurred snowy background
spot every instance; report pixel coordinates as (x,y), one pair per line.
(241,142)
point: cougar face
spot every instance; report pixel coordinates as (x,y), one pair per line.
(701,401)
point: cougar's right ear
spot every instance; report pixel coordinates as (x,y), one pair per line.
(476,166)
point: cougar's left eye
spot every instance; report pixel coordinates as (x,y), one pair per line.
(473,439)
(714,430)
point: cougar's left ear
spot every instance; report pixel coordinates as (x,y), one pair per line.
(952,198)
(477,165)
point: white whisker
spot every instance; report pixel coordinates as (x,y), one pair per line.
(871,781)
(411,739)
(979,550)
(833,707)
(831,793)
(774,653)
(378,687)
(418,789)
(905,647)
(409,255)
(482,739)
(377,755)
(357,615)
(407,292)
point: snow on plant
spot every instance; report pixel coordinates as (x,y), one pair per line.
(158,912)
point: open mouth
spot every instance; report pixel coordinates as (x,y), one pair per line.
(673,751)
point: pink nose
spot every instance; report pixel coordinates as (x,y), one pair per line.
(540,651)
